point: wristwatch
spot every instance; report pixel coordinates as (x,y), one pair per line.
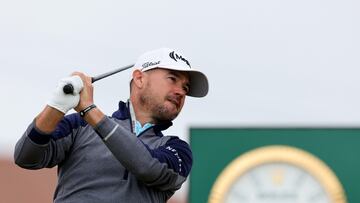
(277,174)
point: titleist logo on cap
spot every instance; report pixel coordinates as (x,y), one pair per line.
(147,64)
(176,57)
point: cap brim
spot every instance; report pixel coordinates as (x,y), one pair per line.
(199,85)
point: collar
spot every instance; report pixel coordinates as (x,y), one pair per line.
(123,113)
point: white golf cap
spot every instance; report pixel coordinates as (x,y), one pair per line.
(170,59)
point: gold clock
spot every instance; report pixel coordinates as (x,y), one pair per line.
(277,174)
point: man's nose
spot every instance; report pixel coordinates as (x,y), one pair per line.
(179,90)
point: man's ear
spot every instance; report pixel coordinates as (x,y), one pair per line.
(138,78)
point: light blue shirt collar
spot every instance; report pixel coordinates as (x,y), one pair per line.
(137,128)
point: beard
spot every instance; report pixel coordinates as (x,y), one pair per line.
(159,111)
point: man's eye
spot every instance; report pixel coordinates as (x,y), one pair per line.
(186,89)
(172,79)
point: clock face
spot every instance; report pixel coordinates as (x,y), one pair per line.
(277,174)
(277,183)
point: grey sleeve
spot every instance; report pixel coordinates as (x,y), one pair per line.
(35,150)
(134,155)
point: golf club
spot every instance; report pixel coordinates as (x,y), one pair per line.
(69,89)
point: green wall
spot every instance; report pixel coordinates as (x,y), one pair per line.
(214,148)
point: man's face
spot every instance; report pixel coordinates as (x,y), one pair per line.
(164,93)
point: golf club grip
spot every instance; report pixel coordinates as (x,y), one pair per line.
(69,89)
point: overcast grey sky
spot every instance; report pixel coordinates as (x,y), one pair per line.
(279,62)
(268,62)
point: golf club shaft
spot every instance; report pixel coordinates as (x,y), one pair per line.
(69,89)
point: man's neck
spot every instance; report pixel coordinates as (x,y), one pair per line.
(141,114)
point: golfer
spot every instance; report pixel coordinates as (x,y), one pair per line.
(120,158)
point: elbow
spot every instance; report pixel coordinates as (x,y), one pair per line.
(21,164)
(144,174)
(24,164)
(27,165)
(17,158)
(148,172)
(26,160)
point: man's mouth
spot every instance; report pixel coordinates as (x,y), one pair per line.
(174,101)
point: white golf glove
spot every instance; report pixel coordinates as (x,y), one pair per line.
(65,102)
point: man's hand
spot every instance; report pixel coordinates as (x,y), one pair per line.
(86,99)
(64,102)
(59,104)
(86,94)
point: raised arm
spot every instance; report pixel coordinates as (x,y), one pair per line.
(36,149)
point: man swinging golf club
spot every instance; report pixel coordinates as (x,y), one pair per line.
(125,157)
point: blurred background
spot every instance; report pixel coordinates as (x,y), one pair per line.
(269,63)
